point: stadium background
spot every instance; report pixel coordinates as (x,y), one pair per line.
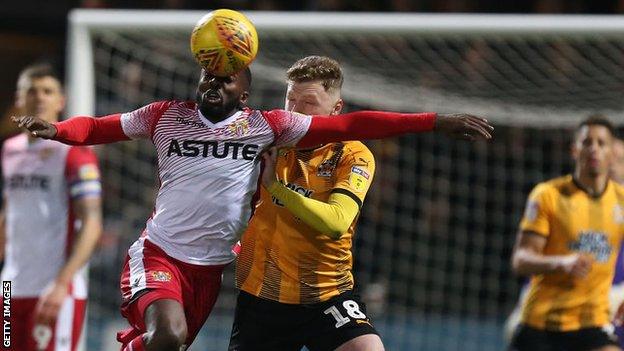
(433,246)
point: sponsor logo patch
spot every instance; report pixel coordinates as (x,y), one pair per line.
(296,188)
(532,208)
(593,242)
(358,179)
(215,149)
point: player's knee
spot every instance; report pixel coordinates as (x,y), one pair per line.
(368,342)
(167,336)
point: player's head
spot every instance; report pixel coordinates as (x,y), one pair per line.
(617,164)
(314,84)
(218,97)
(40,92)
(593,146)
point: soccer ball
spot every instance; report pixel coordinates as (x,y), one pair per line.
(224,42)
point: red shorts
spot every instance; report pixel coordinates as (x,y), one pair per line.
(149,274)
(63,335)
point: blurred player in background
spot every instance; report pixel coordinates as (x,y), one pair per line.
(209,167)
(568,242)
(51,221)
(617,169)
(616,296)
(294,268)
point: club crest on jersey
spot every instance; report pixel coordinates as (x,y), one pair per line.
(326,168)
(618,214)
(239,127)
(593,242)
(161,276)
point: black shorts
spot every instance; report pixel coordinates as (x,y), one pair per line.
(530,339)
(263,325)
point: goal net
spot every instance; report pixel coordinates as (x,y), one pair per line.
(434,240)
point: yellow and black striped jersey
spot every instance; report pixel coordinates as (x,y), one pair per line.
(573,221)
(284,259)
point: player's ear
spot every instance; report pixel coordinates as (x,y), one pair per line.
(244,96)
(337,107)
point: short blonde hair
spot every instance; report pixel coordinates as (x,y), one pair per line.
(322,68)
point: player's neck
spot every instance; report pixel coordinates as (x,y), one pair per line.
(594,185)
(212,118)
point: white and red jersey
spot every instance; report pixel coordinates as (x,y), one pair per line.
(41,179)
(209,174)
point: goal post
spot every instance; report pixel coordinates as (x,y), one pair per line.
(435,235)
(85,23)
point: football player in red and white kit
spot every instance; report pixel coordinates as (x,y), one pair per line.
(209,167)
(51,221)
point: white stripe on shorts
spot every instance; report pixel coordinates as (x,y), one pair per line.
(137,269)
(64,326)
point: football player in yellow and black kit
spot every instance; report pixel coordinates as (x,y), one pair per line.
(294,268)
(568,242)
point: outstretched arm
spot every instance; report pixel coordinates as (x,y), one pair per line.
(79,130)
(85,130)
(362,125)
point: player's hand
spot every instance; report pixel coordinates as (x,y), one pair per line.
(464,126)
(50,303)
(268,173)
(577,265)
(36,126)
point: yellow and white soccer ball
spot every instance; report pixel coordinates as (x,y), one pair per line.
(224,42)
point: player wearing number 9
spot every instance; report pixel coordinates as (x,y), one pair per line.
(50,223)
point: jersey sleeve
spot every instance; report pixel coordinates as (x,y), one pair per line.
(140,123)
(82,173)
(355,172)
(288,127)
(538,212)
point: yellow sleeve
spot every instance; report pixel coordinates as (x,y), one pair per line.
(332,218)
(355,172)
(537,214)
